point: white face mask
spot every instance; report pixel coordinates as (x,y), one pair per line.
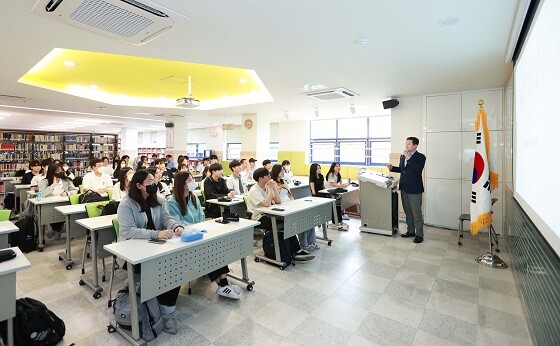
(287,169)
(65,168)
(192,185)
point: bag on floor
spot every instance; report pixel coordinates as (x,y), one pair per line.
(286,254)
(10,201)
(26,237)
(150,319)
(35,324)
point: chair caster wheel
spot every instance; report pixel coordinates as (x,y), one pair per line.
(68,267)
(257,259)
(111,329)
(461,236)
(329,243)
(81,282)
(59,258)
(96,295)
(460,243)
(249,287)
(497,250)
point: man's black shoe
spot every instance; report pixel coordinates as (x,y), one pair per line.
(407,234)
(418,239)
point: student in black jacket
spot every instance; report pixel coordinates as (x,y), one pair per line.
(215,186)
(34,169)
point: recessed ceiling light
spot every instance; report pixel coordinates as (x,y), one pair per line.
(70,64)
(361,42)
(448,21)
(2,118)
(143,113)
(243,81)
(93,86)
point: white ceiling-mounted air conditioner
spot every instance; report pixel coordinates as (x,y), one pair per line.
(331,94)
(132,21)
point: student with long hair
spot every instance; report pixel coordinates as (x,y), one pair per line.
(307,238)
(120,189)
(56,183)
(316,179)
(185,207)
(142,216)
(163,190)
(334,180)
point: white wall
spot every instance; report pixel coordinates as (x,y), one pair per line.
(406,121)
(196,135)
(293,135)
(233,136)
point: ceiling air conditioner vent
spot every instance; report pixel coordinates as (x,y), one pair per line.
(331,94)
(132,21)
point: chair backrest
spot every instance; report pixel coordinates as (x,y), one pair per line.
(5,214)
(74,199)
(93,210)
(81,187)
(116,227)
(110,193)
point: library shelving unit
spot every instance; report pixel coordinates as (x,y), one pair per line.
(17,148)
(160,152)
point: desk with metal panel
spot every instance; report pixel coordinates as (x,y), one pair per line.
(236,205)
(45,214)
(71,213)
(177,263)
(299,215)
(21,195)
(6,227)
(8,270)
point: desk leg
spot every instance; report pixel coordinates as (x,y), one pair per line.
(222,208)
(85,280)
(133,299)
(278,257)
(325,235)
(67,256)
(4,241)
(10,331)
(245,273)
(41,244)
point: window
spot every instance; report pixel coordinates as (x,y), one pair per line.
(196,150)
(233,151)
(354,141)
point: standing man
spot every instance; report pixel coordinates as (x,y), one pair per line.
(410,167)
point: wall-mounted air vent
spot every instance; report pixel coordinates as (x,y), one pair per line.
(331,94)
(132,21)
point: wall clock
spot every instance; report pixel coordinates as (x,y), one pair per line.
(248,124)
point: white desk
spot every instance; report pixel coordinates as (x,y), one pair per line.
(6,227)
(300,191)
(169,265)
(299,216)
(237,205)
(8,271)
(102,225)
(71,213)
(45,214)
(10,183)
(20,194)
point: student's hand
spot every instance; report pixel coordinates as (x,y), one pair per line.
(344,184)
(63,194)
(389,166)
(178,230)
(271,183)
(165,234)
(231,194)
(102,190)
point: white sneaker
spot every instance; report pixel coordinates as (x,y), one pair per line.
(315,246)
(227,291)
(308,247)
(236,289)
(345,217)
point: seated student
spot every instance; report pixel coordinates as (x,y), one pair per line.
(170,164)
(119,164)
(126,160)
(163,190)
(267,164)
(185,207)
(215,186)
(34,169)
(37,178)
(252,168)
(142,216)
(67,170)
(166,175)
(97,180)
(202,164)
(56,183)
(183,168)
(236,181)
(288,175)
(307,238)
(154,159)
(261,195)
(142,163)
(120,189)
(334,180)
(213,159)
(107,167)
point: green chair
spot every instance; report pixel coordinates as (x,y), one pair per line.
(110,193)
(93,210)
(74,199)
(81,187)
(115,265)
(5,214)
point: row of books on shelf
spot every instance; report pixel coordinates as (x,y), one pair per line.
(24,156)
(7,167)
(103,139)
(76,147)
(77,138)
(48,138)
(14,136)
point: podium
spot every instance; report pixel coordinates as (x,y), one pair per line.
(379,203)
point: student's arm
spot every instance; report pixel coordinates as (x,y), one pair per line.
(44,189)
(312,187)
(128,230)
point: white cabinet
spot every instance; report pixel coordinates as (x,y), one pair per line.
(444,159)
(496,153)
(493,105)
(443,202)
(443,113)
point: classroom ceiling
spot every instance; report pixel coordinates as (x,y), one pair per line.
(375,48)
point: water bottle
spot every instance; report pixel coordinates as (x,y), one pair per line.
(349,181)
(39,195)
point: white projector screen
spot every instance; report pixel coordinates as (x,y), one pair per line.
(537,123)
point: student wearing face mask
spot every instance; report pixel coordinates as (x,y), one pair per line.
(215,186)
(185,207)
(142,216)
(288,175)
(120,189)
(107,167)
(67,170)
(97,180)
(56,183)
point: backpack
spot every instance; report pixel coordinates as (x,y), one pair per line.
(90,197)
(35,324)
(110,208)
(26,237)
(10,201)
(77,181)
(150,319)
(286,254)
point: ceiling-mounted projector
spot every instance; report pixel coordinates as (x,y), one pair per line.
(187,102)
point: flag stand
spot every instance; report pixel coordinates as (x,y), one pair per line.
(490,259)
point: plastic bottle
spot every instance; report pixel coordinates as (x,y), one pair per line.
(39,196)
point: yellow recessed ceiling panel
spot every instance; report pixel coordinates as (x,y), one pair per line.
(145,82)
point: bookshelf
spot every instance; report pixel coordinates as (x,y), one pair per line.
(17,148)
(160,152)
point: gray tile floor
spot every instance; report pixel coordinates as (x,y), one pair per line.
(365,289)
